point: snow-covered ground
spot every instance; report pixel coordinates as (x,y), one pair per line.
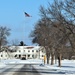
(68,66)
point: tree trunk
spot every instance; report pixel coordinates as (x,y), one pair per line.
(47,60)
(52,59)
(59,60)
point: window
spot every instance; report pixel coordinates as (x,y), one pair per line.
(19,56)
(28,50)
(32,50)
(15,55)
(28,55)
(42,55)
(36,50)
(1,55)
(5,50)
(33,56)
(19,51)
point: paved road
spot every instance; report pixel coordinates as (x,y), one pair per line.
(19,69)
(27,69)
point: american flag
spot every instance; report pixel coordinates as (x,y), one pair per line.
(26,14)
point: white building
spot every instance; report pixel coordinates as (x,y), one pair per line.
(30,52)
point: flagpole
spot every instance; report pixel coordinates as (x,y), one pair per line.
(26,15)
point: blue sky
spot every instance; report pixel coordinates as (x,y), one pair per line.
(12,16)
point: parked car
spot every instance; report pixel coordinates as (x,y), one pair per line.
(23,58)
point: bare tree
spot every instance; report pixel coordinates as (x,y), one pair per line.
(56,28)
(4,33)
(62,13)
(40,36)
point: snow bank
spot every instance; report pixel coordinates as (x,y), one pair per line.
(2,65)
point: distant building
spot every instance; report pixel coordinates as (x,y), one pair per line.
(30,52)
